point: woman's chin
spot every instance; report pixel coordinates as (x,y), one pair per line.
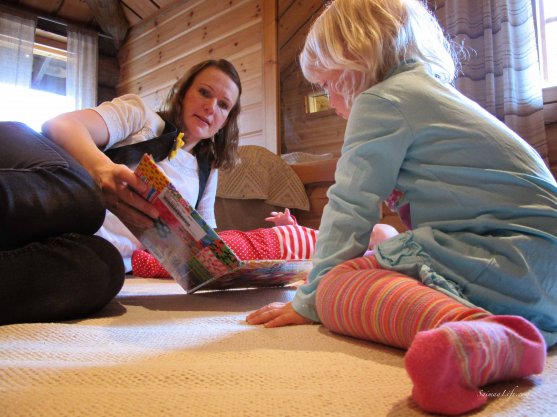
(198,134)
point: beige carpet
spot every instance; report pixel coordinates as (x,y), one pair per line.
(155,351)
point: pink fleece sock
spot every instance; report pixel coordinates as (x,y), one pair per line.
(449,364)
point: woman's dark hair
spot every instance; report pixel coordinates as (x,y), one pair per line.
(220,152)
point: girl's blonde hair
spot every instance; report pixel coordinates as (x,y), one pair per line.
(366,39)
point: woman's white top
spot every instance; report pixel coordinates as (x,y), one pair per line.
(130,120)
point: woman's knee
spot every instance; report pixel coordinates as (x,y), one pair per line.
(59,194)
(61,278)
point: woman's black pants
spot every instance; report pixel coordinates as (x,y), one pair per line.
(52,266)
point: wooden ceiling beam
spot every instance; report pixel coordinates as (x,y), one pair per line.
(110,17)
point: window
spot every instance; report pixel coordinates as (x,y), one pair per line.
(47,96)
(546,19)
(49,63)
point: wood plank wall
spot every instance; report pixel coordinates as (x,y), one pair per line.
(301,132)
(158,51)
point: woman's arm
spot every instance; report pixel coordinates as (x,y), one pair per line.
(81,133)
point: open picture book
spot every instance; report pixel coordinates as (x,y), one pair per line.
(193,253)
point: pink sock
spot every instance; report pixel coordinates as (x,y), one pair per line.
(449,364)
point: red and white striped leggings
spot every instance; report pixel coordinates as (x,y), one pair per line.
(279,242)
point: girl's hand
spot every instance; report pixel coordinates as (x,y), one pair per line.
(277,315)
(282,219)
(121,190)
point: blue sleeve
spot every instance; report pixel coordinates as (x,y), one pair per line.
(376,139)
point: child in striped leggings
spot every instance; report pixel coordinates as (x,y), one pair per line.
(470,289)
(286,240)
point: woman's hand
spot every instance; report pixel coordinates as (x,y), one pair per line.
(282,219)
(277,315)
(122,191)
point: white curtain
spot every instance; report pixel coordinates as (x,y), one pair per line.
(502,71)
(17,36)
(81,78)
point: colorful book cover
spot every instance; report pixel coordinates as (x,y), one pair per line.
(193,253)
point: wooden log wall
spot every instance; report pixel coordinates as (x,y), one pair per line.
(108,74)
(315,133)
(159,50)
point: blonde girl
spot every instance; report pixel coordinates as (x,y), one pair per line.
(470,289)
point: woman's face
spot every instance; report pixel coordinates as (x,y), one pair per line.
(327,80)
(207,104)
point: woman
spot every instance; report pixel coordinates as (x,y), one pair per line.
(470,289)
(54,192)
(52,267)
(204,105)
